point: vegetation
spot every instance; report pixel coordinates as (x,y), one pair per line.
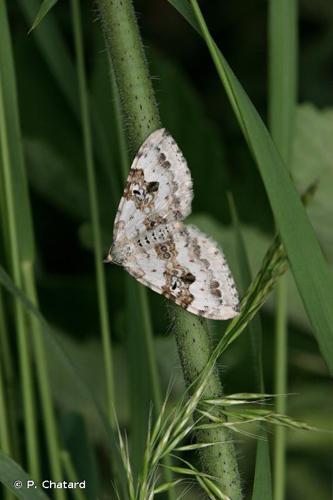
(100,379)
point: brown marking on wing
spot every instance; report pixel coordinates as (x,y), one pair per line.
(142,193)
(177,283)
(215,288)
(153,221)
(166,250)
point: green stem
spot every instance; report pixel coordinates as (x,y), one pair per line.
(150,384)
(49,420)
(281,370)
(9,382)
(23,345)
(141,117)
(195,350)
(71,474)
(282,104)
(4,428)
(94,211)
(137,98)
(142,295)
(5,444)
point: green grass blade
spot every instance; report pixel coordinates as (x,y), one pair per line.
(305,256)
(8,372)
(282,74)
(67,366)
(23,258)
(4,427)
(11,127)
(54,50)
(71,474)
(10,472)
(48,413)
(282,108)
(281,373)
(17,214)
(94,210)
(262,484)
(45,7)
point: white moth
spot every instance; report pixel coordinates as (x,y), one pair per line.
(151,242)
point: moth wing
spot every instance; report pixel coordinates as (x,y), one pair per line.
(158,188)
(188,268)
(214,290)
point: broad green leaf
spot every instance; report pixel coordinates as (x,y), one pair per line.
(304,253)
(11,473)
(45,7)
(312,165)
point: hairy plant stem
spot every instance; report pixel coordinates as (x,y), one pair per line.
(195,350)
(141,117)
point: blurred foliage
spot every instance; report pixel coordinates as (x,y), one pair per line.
(197,114)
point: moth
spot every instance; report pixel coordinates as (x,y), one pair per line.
(151,241)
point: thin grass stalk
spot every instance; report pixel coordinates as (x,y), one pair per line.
(282,106)
(5,433)
(25,254)
(262,484)
(4,428)
(135,107)
(281,388)
(49,420)
(54,50)
(9,381)
(141,118)
(23,345)
(71,474)
(94,210)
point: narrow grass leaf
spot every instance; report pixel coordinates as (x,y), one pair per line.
(211,489)
(94,207)
(262,483)
(11,473)
(53,47)
(305,256)
(45,7)
(167,486)
(185,471)
(198,446)
(282,32)
(15,153)
(68,366)
(254,327)
(71,474)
